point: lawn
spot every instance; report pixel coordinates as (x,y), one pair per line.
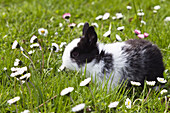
(20,20)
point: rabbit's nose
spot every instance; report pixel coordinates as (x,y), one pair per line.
(62,68)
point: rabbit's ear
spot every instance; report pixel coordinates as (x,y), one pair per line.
(91,36)
(85,28)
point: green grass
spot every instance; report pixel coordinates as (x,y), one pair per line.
(20,20)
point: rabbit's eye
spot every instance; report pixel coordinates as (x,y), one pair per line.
(74,54)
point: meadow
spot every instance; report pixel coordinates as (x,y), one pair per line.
(20,20)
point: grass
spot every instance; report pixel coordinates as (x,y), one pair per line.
(20,20)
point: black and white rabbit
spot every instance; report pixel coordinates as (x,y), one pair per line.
(132,60)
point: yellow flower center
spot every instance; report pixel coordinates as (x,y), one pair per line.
(128,102)
(42,31)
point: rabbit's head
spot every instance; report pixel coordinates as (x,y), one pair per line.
(81,50)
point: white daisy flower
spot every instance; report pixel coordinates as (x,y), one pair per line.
(143,22)
(66,91)
(155,11)
(55,47)
(141,14)
(135,83)
(63,44)
(80,24)
(121,28)
(137,32)
(13,69)
(141,36)
(66,16)
(43,31)
(129,7)
(150,83)
(78,108)
(15,45)
(25,111)
(72,25)
(161,80)
(107,34)
(95,25)
(119,15)
(5,68)
(17,62)
(118,38)
(164,91)
(128,103)
(31,52)
(26,76)
(99,17)
(113,104)
(56,33)
(140,10)
(167,19)
(60,25)
(157,7)
(14,100)
(106,16)
(33,39)
(85,82)
(114,18)
(34,45)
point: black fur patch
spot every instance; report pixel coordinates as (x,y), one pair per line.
(144,61)
(108,62)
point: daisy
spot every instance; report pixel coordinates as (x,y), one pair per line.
(106,16)
(164,91)
(150,83)
(15,45)
(119,16)
(85,82)
(155,11)
(95,25)
(17,62)
(34,45)
(66,91)
(143,22)
(135,83)
(66,16)
(72,25)
(114,18)
(118,38)
(161,80)
(99,17)
(128,103)
(55,47)
(167,19)
(42,31)
(78,108)
(80,24)
(137,32)
(107,34)
(157,7)
(129,7)
(141,36)
(33,39)
(146,34)
(113,104)
(26,111)
(63,44)
(60,25)
(5,69)
(26,76)
(121,28)
(56,33)
(141,14)
(14,100)
(31,52)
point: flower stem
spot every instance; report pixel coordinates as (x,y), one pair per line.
(16,108)
(29,90)
(71,99)
(92,97)
(49,58)
(148,94)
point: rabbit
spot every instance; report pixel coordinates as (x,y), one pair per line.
(132,60)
